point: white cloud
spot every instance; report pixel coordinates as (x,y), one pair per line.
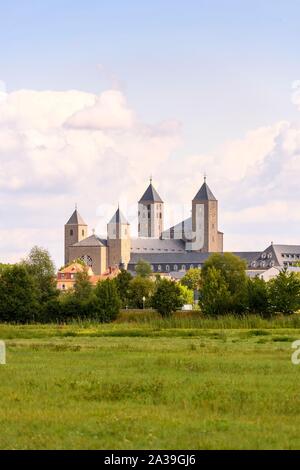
(109,111)
(58,148)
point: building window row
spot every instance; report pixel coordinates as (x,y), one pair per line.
(291,255)
(173,267)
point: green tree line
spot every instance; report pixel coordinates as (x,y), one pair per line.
(28,291)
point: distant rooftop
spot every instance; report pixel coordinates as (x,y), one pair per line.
(119,218)
(76,219)
(151,195)
(204,193)
(92,240)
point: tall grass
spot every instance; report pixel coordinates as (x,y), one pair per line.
(195,319)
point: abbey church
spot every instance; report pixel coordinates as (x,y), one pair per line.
(174,250)
(177,248)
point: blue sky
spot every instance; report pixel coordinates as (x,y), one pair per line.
(220,68)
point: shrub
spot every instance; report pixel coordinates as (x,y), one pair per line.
(18,295)
(105,304)
(167,297)
(224,285)
(258,297)
(143,268)
(140,287)
(122,283)
(285,293)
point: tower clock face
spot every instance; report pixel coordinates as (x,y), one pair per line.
(87,260)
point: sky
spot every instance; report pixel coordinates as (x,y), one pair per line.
(96,96)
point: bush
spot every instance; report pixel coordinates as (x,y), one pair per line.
(18,296)
(122,283)
(258,297)
(224,285)
(140,287)
(285,293)
(143,268)
(187,294)
(42,270)
(105,304)
(167,297)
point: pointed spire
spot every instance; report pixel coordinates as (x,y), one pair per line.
(151,195)
(118,218)
(204,193)
(76,219)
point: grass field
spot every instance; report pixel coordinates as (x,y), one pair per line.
(141,384)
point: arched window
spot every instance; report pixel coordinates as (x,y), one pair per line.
(175,267)
(167,267)
(82,232)
(191,266)
(71,232)
(87,260)
(159,267)
(183,267)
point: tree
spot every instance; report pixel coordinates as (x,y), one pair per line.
(192,279)
(285,293)
(214,296)
(224,275)
(82,286)
(105,304)
(258,296)
(167,297)
(139,288)
(4,266)
(143,268)
(41,267)
(123,282)
(18,297)
(187,294)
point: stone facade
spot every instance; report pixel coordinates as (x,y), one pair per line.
(118,241)
(75,231)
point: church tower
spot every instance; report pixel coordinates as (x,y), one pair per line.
(75,230)
(151,213)
(118,240)
(206,238)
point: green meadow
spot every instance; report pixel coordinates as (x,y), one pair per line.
(146,383)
